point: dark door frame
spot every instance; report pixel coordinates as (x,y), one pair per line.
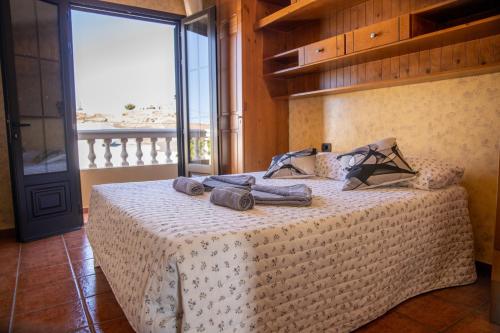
(20,196)
(139,13)
(211,14)
(10,89)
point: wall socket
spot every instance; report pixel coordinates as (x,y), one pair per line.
(326,147)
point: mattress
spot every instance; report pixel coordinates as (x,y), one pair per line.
(180,264)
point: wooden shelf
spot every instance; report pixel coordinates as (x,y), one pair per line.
(462,72)
(283,55)
(303,10)
(461,33)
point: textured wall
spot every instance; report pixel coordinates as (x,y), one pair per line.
(457,120)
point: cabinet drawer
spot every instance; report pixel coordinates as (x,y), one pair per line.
(321,50)
(382,33)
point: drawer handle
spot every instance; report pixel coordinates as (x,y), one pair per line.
(320,50)
(373,35)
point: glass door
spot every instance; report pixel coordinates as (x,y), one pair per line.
(199,67)
(41,140)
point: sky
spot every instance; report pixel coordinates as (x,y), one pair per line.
(107,73)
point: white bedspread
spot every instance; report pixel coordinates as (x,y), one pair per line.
(179,263)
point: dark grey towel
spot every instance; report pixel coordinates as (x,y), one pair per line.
(295,195)
(237,181)
(188,186)
(231,197)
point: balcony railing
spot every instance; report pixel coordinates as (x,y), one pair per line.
(153,138)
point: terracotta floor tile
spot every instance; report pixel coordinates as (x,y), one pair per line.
(103,307)
(62,318)
(55,242)
(6,303)
(41,275)
(119,325)
(85,267)
(46,295)
(473,295)
(94,284)
(394,322)
(81,253)
(9,264)
(7,282)
(432,311)
(42,259)
(76,233)
(77,241)
(475,323)
(4,324)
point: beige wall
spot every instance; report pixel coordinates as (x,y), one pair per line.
(457,120)
(171,6)
(92,177)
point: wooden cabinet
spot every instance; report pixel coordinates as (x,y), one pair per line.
(374,35)
(386,43)
(321,50)
(253,126)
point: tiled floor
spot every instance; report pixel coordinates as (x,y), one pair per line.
(57,289)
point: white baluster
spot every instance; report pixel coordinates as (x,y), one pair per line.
(124,153)
(154,153)
(139,151)
(168,151)
(107,154)
(91,155)
(196,156)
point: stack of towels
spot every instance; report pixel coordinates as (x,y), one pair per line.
(240,192)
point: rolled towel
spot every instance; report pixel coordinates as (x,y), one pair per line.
(294,195)
(237,181)
(231,197)
(188,186)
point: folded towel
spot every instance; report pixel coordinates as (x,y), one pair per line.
(294,195)
(237,181)
(188,186)
(232,197)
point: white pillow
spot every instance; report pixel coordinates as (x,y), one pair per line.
(433,174)
(328,166)
(376,164)
(294,164)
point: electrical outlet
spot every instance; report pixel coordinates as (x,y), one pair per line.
(326,147)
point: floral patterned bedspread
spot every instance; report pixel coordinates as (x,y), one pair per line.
(180,264)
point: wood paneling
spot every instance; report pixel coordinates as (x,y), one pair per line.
(495,276)
(497,230)
(253,125)
(425,60)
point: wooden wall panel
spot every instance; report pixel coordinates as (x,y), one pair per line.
(424,62)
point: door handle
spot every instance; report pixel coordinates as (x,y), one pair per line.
(17,125)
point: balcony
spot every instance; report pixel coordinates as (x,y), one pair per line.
(128,155)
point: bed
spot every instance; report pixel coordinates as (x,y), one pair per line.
(180,264)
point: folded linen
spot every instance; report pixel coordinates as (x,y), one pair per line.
(295,195)
(232,197)
(237,181)
(188,186)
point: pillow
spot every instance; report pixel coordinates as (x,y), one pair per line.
(295,164)
(328,166)
(376,164)
(434,174)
